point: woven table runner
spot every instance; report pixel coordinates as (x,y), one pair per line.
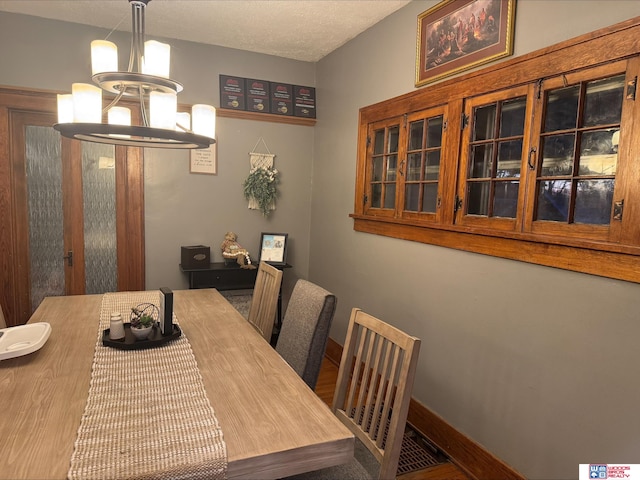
(147,412)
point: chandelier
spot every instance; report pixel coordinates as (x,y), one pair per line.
(147,82)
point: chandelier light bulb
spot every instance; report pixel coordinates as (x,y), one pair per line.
(183,122)
(203,120)
(104,56)
(162,108)
(157,59)
(65,108)
(87,103)
(119,116)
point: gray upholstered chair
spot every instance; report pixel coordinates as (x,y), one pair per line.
(305,329)
(372,397)
(3,323)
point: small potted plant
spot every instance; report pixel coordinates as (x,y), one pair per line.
(142,320)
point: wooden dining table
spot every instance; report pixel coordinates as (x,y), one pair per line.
(273,424)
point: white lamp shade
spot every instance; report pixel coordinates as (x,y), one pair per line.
(183,122)
(119,116)
(87,103)
(65,108)
(203,120)
(157,58)
(104,56)
(162,108)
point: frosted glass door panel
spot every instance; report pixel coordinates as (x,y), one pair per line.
(46,235)
(99,197)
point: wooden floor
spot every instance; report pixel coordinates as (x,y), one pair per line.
(325,388)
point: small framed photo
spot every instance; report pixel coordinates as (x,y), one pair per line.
(273,248)
(204,160)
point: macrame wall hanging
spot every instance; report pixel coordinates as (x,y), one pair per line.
(261,186)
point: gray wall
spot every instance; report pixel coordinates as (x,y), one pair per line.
(538,365)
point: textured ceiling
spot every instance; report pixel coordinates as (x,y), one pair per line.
(298,29)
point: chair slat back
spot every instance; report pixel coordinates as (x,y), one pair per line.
(374,386)
(264,301)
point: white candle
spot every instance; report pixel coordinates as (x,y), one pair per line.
(87,103)
(104,56)
(65,108)
(163,108)
(157,58)
(203,120)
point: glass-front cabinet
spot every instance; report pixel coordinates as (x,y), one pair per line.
(576,141)
(536,160)
(403,171)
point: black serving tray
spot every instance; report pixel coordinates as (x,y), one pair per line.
(129,342)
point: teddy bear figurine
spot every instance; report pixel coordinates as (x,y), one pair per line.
(232,249)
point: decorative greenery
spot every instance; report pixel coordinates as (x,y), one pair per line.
(142,316)
(261,186)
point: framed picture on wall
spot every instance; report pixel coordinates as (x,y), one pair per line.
(204,160)
(273,248)
(456,35)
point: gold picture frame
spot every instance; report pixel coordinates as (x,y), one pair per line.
(457,35)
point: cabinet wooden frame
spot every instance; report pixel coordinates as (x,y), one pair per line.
(611,251)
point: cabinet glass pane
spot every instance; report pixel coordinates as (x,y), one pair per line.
(376,195)
(392,166)
(509,159)
(416,130)
(434,134)
(597,153)
(432,168)
(505,199)
(414,164)
(478,198)
(593,201)
(393,139)
(553,200)
(484,124)
(430,198)
(390,195)
(512,117)
(481,156)
(557,155)
(603,101)
(411,197)
(378,143)
(378,163)
(562,109)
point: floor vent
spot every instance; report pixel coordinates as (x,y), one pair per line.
(417,453)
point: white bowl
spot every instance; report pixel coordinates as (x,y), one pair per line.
(23,339)
(141,333)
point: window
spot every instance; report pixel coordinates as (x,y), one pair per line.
(577,141)
(491,160)
(543,166)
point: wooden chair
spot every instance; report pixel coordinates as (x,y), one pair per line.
(305,329)
(264,301)
(372,397)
